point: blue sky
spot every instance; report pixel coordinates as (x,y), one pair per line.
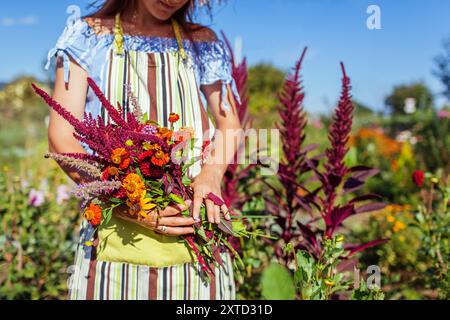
(275,31)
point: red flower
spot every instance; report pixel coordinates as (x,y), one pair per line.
(146,166)
(121,193)
(150,171)
(110,171)
(147,155)
(418,178)
(174,117)
(160,159)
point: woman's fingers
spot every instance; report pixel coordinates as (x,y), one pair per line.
(175,209)
(226,212)
(198,200)
(210,211)
(174,231)
(217,214)
(176,221)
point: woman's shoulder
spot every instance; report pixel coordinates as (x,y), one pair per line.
(100,26)
(202,33)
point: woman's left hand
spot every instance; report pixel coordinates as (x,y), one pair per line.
(208,181)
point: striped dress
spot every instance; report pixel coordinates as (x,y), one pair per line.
(165,75)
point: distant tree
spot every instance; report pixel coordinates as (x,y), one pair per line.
(442,71)
(423,97)
(264,83)
(265,78)
(362,110)
(18,102)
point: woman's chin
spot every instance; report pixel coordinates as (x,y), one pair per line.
(161,15)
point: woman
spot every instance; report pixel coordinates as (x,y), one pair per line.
(149,48)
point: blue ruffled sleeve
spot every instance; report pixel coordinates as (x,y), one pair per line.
(216,66)
(76,42)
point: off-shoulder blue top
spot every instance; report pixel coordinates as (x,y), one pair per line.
(89,50)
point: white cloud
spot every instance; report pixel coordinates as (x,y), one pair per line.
(10,22)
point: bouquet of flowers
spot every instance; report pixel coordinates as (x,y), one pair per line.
(141,166)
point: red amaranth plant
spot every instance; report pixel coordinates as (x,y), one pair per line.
(338,179)
(292,202)
(286,202)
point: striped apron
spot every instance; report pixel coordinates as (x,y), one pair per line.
(162,83)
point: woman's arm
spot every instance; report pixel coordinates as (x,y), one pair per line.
(73,97)
(226,141)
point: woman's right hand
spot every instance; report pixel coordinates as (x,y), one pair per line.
(166,222)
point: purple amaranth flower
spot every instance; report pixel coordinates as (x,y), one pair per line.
(36,198)
(96,188)
(62,194)
(82,165)
(98,134)
(149,129)
(292,130)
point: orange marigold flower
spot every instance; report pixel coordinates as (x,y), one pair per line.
(160,159)
(93,214)
(134,186)
(173,117)
(121,158)
(165,133)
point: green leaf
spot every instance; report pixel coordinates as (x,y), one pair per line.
(238,226)
(186,181)
(277,283)
(175,198)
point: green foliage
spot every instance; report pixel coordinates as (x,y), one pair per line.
(277,283)
(433,145)
(36,240)
(418,91)
(433,220)
(364,293)
(442,71)
(415,261)
(264,81)
(22,123)
(318,279)
(315,278)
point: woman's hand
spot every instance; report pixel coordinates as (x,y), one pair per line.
(167,222)
(208,181)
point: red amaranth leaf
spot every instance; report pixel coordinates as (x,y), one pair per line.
(217,201)
(355,248)
(371,207)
